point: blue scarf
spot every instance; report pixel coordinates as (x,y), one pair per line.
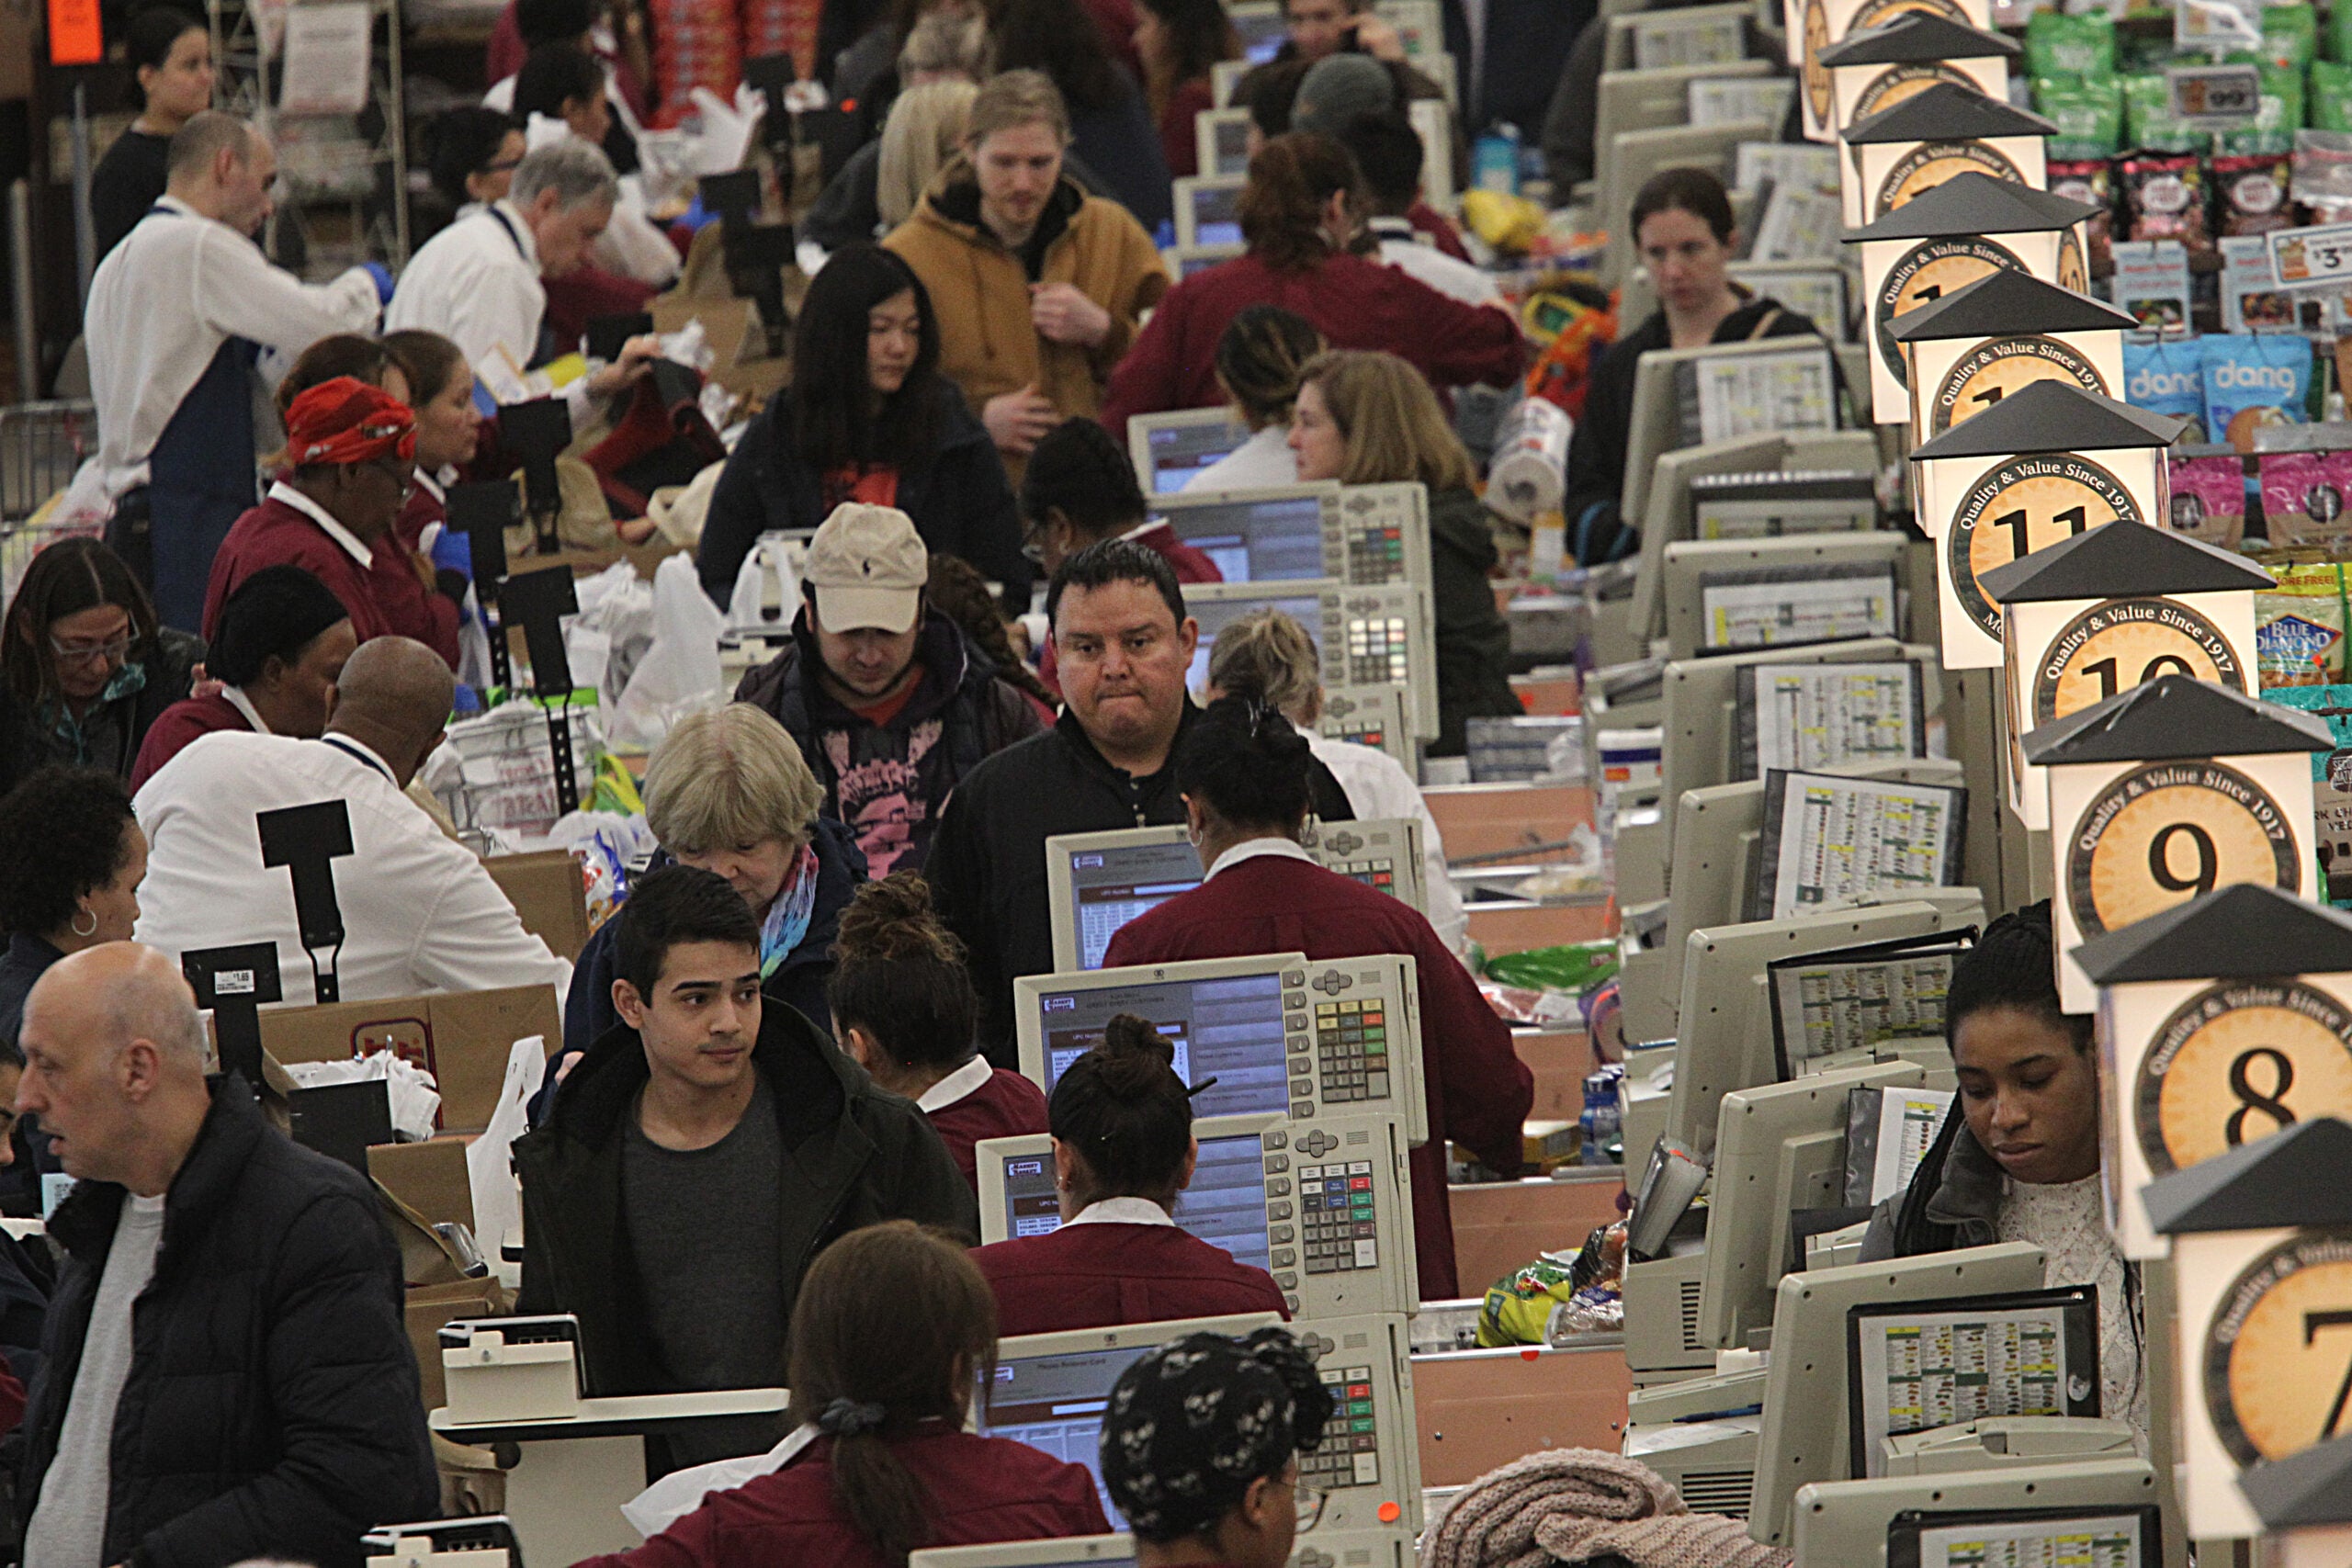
(787,925)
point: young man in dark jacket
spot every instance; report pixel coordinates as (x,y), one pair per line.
(264,1402)
(702,1094)
(889,703)
(1125,648)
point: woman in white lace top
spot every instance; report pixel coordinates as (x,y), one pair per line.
(2020,1160)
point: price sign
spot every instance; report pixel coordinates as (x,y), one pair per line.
(2214,95)
(2236,1063)
(2311,258)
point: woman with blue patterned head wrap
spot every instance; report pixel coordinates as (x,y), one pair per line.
(1200,1449)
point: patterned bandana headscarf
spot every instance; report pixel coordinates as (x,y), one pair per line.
(1194,1422)
(346,420)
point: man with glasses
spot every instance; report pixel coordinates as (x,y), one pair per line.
(177,314)
(351,448)
(886,697)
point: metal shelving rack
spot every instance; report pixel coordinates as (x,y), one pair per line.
(352,164)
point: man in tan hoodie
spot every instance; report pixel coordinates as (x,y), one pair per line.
(1036,285)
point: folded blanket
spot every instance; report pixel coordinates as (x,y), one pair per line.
(1493,1522)
(1678,1540)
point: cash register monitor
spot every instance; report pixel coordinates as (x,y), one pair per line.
(1184,260)
(1627,161)
(1221,141)
(1699,708)
(1805,1434)
(1723,1024)
(1846,1523)
(1365,635)
(1208,209)
(1169,448)
(1779,1147)
(1725,595)
(1280,1033)
(1363,535)
(1658,99)
(1668,518)
(1261,26)
(1335,1228)
(1717,830)
(1050,1390)
(1918,1367)
(1710,33)
(1095,883)
(1657,424)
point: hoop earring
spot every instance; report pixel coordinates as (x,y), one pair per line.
(77,927)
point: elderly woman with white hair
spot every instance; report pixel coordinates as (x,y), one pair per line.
(729,792)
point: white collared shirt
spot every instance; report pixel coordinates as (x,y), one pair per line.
(161,305)
(421,912)
(1401,249)
(235,697)
(1264,459)
(1378,785)
(956,1086)
(1250,849)
(476,284)
(287,495)
(1120,1212)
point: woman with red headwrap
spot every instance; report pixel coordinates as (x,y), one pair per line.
(350,451)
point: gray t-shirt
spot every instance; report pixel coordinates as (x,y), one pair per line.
(705,1230)
(69,1523)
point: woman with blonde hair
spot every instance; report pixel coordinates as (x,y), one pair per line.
(1303,212)
(947,49)
(728,790)
(926,126)
(1269,657)
(1364,419)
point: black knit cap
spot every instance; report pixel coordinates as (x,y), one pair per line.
(1194,1422)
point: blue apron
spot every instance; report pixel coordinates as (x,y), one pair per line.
(200,480)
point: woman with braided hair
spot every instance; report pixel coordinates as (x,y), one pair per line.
(1200,1449)
(902,1002)
(2019,1158)
(1124,1153)
(892,1326)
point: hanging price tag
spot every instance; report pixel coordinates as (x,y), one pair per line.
(2310,258)
(2214,95)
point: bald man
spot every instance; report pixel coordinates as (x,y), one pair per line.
(420,913)
(268,1382)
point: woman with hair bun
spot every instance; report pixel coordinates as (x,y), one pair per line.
(892,1326)
(903,1007)
(1243,773)
(1123,1149)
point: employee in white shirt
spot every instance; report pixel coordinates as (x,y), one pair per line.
(1268,654)
(176,315)
(419,911)
(1259,356)
(477,282)
(1389,152)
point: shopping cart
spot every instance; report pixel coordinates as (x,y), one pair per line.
(41,445)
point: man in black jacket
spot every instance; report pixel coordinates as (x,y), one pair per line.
(265,1403)
(698,1158)
(1125,645)
(888,700)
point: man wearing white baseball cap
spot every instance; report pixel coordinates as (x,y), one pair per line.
(890,702)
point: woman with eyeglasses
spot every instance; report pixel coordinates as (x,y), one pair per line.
(85,665)
(1124,1154)
(1200,1449)
(868,417)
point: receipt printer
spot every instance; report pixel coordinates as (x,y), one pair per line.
(1996,1440)
(485,1541)
(511,1368)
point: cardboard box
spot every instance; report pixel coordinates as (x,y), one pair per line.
(429,1178)
(546,889)
(462,1038)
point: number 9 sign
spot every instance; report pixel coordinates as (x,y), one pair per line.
(2163,834)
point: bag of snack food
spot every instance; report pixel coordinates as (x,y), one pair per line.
(2209,499)
(2304,496)
(2058,45)
(2167,377)
(2148,120)
(2290,36)
(2253,189)
(2164,196)
(2090,180)
(2331,93)
(2253,380)
(2299,627)
(2088,110)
